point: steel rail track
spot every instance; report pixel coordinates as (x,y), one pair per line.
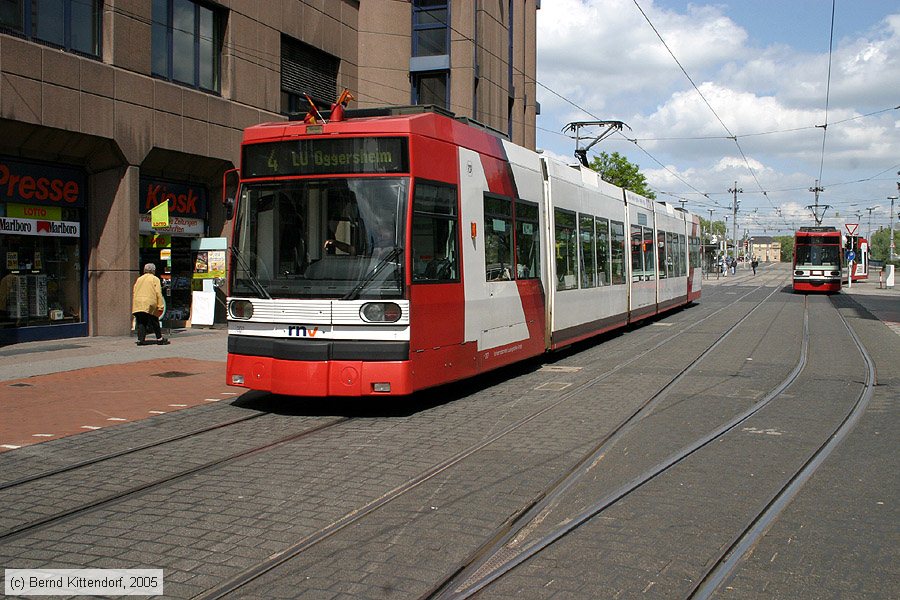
(237,582)
(724,568)
(136,490)
(504,552)
(119,453)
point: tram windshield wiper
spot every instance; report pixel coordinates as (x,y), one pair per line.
(258,287)
(370,276)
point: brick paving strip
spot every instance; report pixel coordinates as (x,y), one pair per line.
(46,407)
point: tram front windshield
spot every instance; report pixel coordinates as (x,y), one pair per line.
(320,238)
(817,254)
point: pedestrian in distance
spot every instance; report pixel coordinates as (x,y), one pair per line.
(753,264)
(147,305)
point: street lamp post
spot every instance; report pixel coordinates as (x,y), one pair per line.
(725,238)
(892,254)
(734,208)
(869,237)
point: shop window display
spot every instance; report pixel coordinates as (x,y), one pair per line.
(41,281)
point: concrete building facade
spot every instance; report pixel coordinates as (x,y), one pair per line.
(108,107)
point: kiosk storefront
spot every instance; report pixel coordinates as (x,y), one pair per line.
(170,247)
(42,284)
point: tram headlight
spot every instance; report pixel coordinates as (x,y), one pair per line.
(835,272)
(798,272)
(241,309)
(380,312)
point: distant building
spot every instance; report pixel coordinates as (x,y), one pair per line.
(765,248)
(108,108)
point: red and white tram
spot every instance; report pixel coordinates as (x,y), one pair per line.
(818,260)
(400,249)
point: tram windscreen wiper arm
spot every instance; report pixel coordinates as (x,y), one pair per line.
(354,293)
(257,286)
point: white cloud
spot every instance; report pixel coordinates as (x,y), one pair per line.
(603,56)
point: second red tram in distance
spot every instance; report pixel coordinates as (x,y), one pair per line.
(818,260)
(859,246)
(397,249)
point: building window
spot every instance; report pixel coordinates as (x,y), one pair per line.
(431,88)
(431,30)
(73,25)
(187,41)
(306,70)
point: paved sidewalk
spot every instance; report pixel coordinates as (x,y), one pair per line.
(54,389)
(41,358)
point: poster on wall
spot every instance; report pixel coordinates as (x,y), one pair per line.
(209,264)
(200,265)
(216,262)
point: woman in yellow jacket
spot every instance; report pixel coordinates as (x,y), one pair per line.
(147,306)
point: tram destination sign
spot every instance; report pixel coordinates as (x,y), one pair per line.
(322,156)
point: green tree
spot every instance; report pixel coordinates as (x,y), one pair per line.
(787,247)
(618,170)
(880,244)
(718,228)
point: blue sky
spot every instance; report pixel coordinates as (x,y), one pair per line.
(762,66)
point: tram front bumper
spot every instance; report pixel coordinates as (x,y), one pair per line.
(319,378)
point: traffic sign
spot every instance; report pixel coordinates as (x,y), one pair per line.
(851,228)
(851,255)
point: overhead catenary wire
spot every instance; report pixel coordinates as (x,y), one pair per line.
(272,60)
(827,93)
(705,101)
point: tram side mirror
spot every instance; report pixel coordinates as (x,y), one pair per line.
(231,183)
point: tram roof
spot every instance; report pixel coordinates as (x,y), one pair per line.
(428,121)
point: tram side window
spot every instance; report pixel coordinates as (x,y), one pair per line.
(617,251)
(648,253)
(587,251)
(566,250)
(498,238)
(603,268)
(682,251)
(637,255)
(528,241)
(665,266)
(695,252)
(677,249)
(671,256)
(435,222)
